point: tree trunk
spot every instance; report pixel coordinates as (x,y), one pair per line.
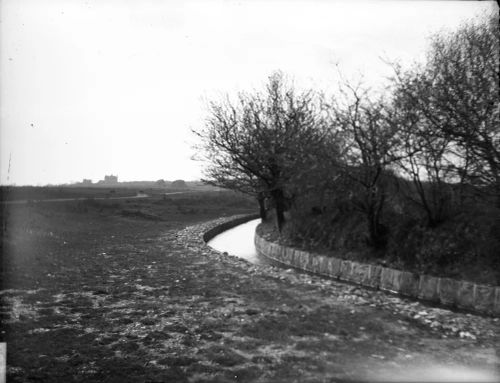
(279,202)
(377,233)
(496,188)
(376,230)
(262,206)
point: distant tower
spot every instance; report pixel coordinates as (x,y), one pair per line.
(109,180)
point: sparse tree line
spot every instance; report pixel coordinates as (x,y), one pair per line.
(427,148)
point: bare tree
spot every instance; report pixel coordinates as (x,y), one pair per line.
(456,94)
(230,177)
(368,143)
(426,158)
(264,141)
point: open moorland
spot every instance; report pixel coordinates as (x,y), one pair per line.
(125,291)
(39,193)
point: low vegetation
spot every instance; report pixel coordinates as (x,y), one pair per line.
(121,189)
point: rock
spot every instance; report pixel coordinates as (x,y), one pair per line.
(362,301)
(466,334)
(435,324)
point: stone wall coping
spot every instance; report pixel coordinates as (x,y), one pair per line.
(228,224)
(475,297)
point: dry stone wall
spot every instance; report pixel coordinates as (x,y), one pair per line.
(228,224)
(447,291)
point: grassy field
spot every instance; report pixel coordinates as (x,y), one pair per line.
(35,193)
(9,193)
(118,291)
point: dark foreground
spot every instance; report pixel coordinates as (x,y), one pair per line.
(123,292)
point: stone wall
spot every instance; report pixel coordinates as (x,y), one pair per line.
(232,222)
(447,291)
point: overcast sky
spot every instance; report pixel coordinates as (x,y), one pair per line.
(95,87)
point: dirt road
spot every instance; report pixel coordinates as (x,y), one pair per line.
(120,299)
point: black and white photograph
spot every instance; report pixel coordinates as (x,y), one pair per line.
(268,191)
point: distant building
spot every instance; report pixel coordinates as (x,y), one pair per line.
(110,180)
(86,181)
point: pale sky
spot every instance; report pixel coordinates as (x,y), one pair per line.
(95,87)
